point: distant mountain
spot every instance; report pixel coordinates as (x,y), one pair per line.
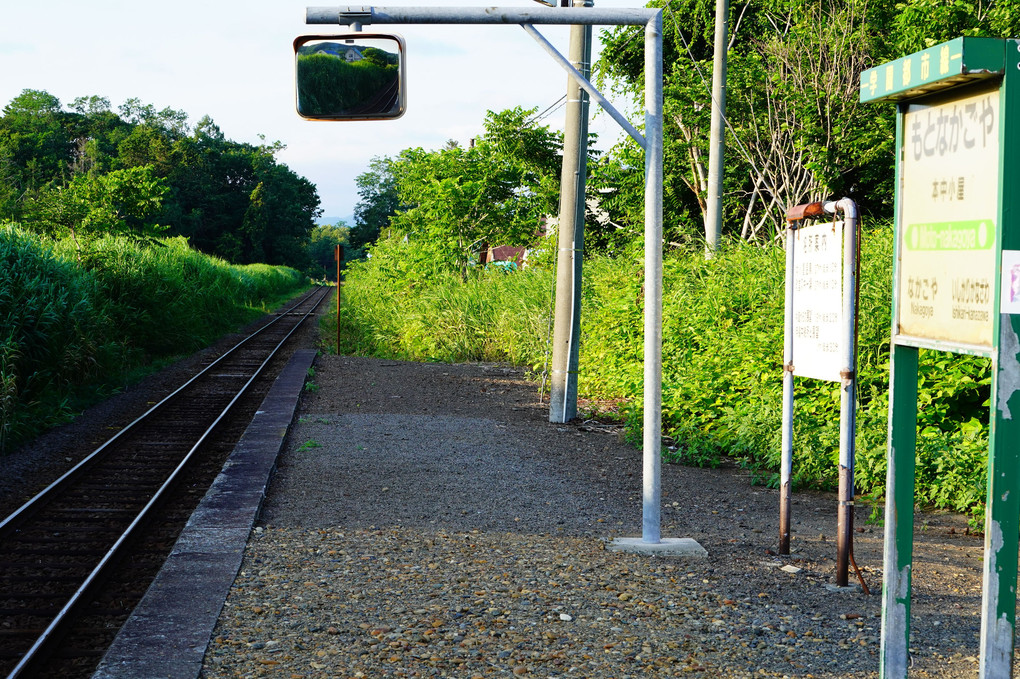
(330,221)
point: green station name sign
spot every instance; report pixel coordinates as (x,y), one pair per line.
(946,65)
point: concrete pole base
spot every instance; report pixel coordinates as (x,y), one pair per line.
(687,547)
(849,589)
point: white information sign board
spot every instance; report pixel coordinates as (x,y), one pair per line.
(818,301)
(949,198)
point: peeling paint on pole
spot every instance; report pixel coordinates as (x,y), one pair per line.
(895,592)
(1009,367)
(995,628)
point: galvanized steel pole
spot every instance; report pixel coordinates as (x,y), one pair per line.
(562,16)
(652,20)
(652,442)
(848,392)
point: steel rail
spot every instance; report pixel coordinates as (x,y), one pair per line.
(93,576)
(9,522)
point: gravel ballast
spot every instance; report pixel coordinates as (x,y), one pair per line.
(427,520)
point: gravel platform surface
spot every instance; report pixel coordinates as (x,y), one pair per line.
(427,520)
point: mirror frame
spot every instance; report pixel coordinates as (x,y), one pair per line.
(401,107)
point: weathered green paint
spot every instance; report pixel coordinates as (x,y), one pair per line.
(899,509)
(1002,520)
(946,65)
(960,61)
(998,599)
(899,513)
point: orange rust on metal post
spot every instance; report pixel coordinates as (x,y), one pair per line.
(844,531)
(799,212)
(784,518)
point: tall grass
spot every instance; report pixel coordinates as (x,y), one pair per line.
(494,316)
(167,298)
(722,358)
(77,323)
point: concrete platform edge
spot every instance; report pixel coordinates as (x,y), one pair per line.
(167,634)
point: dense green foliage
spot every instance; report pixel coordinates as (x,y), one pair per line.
(796,129)
(796,133)
(88,171)
(453,202)
(73,322)
(378,203)
(722,349)
(722,375)
(388,310)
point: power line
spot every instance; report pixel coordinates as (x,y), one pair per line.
(552,108)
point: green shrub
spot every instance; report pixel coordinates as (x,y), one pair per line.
(330,85)
(389,310)
(168,298)
(77,323)
(55,334)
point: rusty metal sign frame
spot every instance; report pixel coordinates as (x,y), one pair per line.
(848,381)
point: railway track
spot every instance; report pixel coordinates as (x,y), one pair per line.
(74,559)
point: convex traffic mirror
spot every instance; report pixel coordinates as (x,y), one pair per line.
(356,76)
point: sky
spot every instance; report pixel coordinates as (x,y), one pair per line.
(233,61)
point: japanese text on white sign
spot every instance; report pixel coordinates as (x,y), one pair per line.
(818,301)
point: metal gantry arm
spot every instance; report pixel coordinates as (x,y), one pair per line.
(586,85)
(651,19)
(561,16)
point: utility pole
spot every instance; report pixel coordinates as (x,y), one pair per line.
(570,238)
(717,145)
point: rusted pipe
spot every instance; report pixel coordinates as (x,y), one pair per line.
(805,211)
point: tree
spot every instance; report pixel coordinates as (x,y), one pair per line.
(119,202)
(377,189)
(35,147)
(493,192)
(90,170)
(91,106)
(322,246)
(803,123)
(170,122)
(33,102)
(529,155)
(290,206)
(796,129)
(535,149)
(687,56)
